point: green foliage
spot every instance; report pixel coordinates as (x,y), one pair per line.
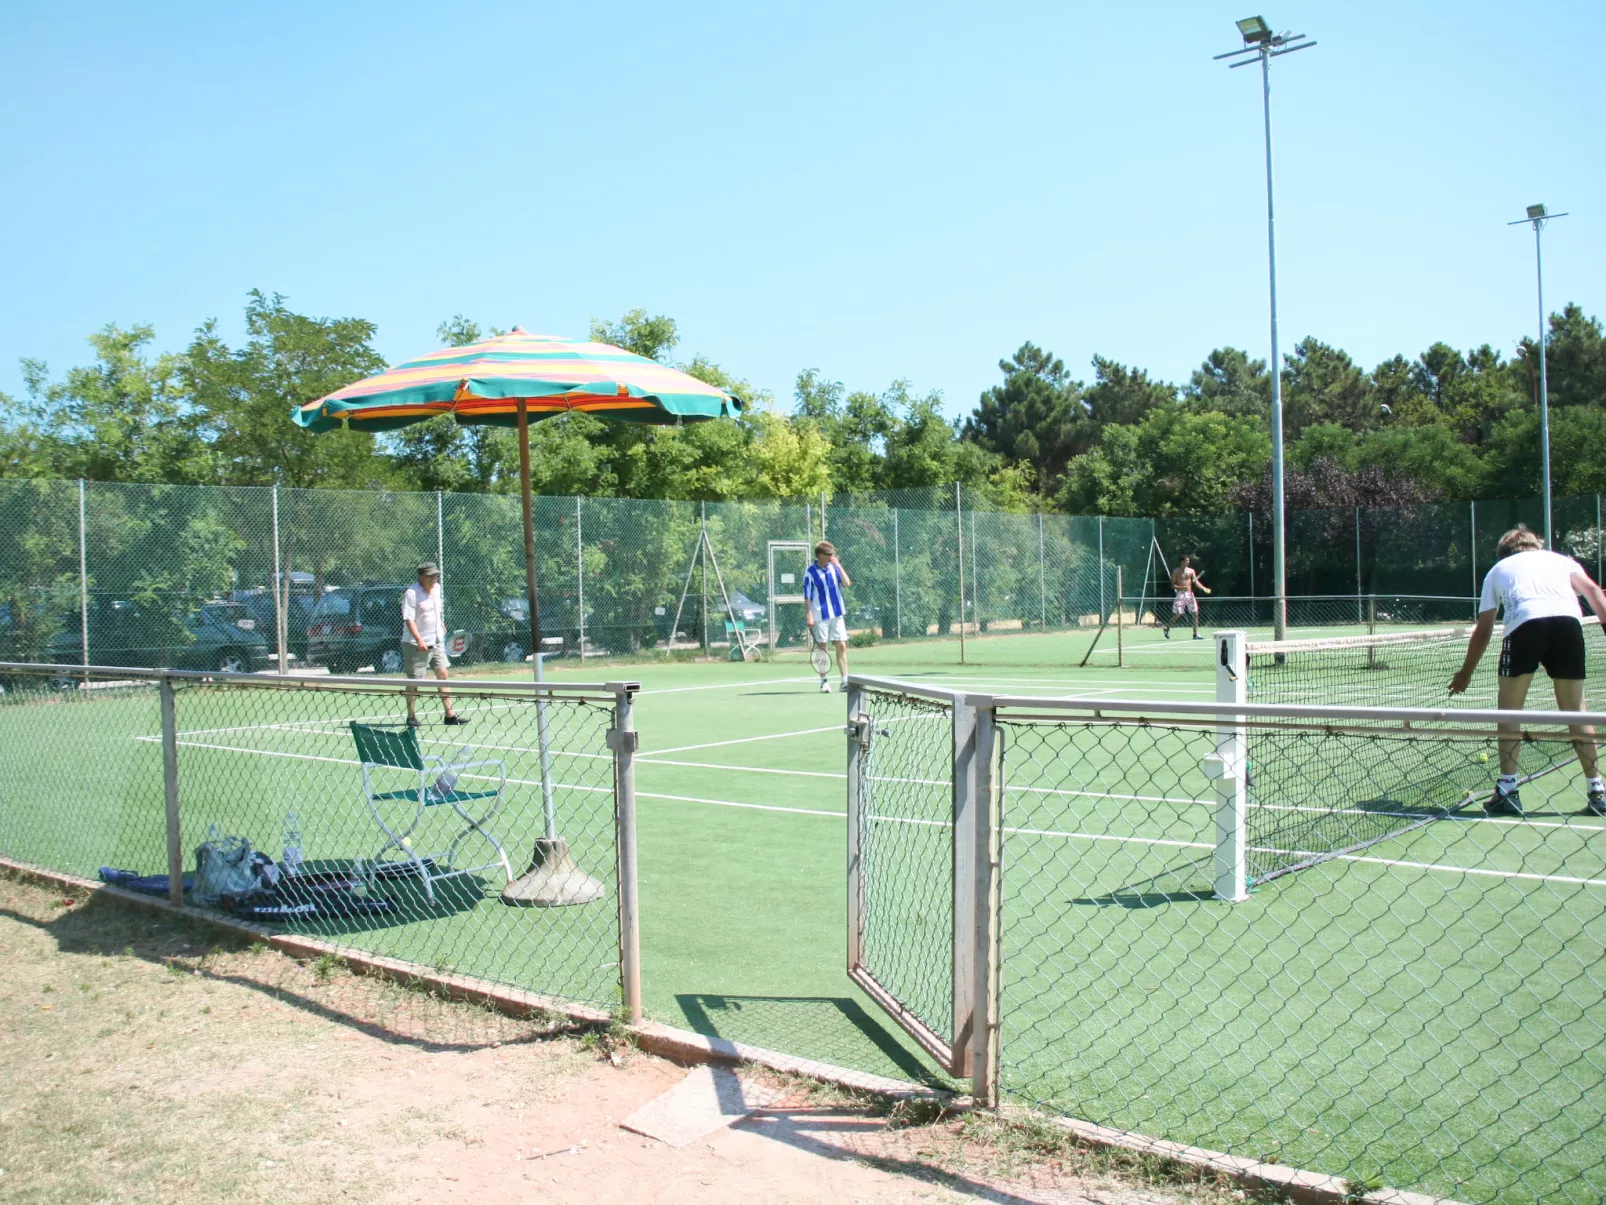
(1445,425)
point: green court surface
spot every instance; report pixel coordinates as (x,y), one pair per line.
(1383,1014)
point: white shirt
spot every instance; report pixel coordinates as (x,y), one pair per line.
(1532,585)
(425,611)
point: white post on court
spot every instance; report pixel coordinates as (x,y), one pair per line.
(1228,768)
(897,575)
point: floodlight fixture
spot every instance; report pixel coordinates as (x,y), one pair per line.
(1535,211)
(1261,45)
(1255,30)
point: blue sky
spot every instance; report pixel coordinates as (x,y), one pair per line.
(877,190)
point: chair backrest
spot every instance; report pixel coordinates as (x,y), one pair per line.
(387,746)
(734,626)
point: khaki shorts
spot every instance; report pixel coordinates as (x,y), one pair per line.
(418,663)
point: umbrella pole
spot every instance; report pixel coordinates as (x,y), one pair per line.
(553,879)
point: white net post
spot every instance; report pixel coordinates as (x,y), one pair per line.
(1228,768)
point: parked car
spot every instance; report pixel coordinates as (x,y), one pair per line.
(356,626)
(258,603)
(504,634)
(125,632)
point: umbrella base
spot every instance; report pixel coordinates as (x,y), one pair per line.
(553,880)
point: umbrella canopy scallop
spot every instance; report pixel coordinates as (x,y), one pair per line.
(483,383)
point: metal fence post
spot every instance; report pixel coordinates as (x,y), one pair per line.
(1120,631)
(976,893)
(1251,565)
(959,521)
(1042,577)
(175,836)
(1472,510)
(83,579)
(1357,564)
(859,736)
(440,549)
(1227,767)
(1597,537)
(964,803)
(281,591)
(897,574)
(625,741)
(822,515)
(580,578)
(1102,609)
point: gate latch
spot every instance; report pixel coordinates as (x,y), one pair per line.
(860,729)
(624,740)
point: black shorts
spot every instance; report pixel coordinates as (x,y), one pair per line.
(1553,641)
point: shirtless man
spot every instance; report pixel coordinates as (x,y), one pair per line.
(1185,580)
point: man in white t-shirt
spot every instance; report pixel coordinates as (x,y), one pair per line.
(1539,590)
(423,639)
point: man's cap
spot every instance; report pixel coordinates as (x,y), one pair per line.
(428,567)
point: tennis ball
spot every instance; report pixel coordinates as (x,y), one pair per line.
(407,844)
(1483,757)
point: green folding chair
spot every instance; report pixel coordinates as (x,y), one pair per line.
(744,645)
(392,754)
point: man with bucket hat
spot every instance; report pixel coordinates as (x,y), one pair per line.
(423,640)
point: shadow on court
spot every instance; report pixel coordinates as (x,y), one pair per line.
(829,1025)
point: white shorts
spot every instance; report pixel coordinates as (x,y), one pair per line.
(1185,603)
(828,631)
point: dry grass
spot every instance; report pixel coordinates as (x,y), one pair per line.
(146,1061)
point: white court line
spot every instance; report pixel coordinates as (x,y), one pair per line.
(654,759)
(763,807)
(727,803)
(649,691)
(772,736)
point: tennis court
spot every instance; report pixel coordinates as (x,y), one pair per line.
(1380,1014)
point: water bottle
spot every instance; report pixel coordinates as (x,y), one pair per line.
(292,845)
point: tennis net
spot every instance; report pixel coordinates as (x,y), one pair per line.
(1306,806)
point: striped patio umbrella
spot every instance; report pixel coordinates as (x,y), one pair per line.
(486,382)
(512,380)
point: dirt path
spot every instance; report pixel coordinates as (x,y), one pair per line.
(145,1065)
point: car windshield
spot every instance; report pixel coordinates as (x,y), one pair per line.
(332,606)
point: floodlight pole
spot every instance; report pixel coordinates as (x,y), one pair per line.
(1537,217)
(1264,45)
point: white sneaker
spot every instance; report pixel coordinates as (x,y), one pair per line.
(825,687)
(843,687)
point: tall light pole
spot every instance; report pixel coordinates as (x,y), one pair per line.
(1260,43)
(1537,217)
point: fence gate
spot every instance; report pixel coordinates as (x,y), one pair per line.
(787,561)
(914,764)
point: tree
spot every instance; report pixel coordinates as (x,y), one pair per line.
(1576,362)
(1230,382)
(1321,384)
(123,418)
(1035,417)
(247,396)
(1174,462)
(1124,395)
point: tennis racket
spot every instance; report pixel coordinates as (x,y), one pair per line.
(820,659)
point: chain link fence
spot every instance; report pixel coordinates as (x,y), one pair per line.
(502,851)
(241,579)
(1417,999)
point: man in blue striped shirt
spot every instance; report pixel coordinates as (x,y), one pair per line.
(822,595)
